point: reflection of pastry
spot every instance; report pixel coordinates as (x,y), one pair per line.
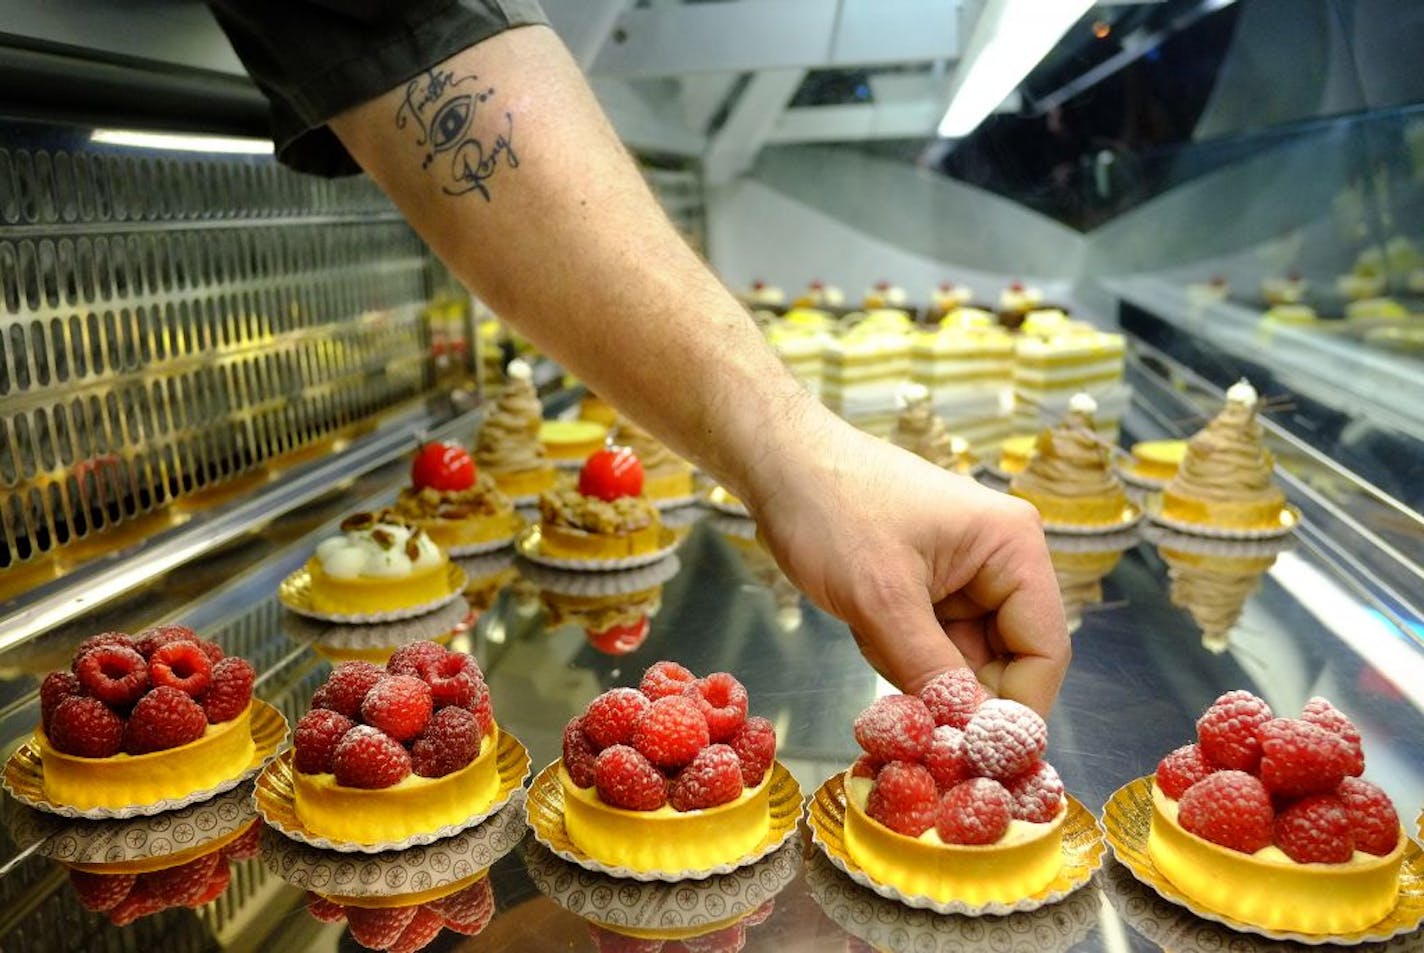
(1080,571)
(453,504)
(1069,478)
(666,476)
(1213,579)
(605,516)
(1376,309)
(1357,287)
(1291,314)
(380,563)
(1225,477)
(1288,290)
(508,447)
(386,923)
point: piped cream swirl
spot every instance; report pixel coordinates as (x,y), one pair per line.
(1070,460)
(1225,460)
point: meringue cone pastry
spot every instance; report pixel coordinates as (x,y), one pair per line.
(508,447)
(1224,481)
(666,476)
(921,431)
(1070,477)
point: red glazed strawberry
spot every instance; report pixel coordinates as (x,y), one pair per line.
(611,717)
(665,678)
(946,758)
(56,687)
(346,687)
(1315,830)
(450,742)
(723,702)
(1004,738)
(148,641)
(86,727)
(378,928)
(1320,712)
(626,779)
(1181,769)
(578,754)
(100,892)
(670,732)
(230,690)
(755,745)
(113,674)
(315,739)
(1227,731)
(1229,808)
(902,797)
(442,466)
(181,665)
(713,777)
(413,657)
(611,474)
(1037,794)
(895,728)
(976,811)
(1373,820)
(164,718)
(423,927)
(953,697)
(369,758)
(327,911)
(399,705)
(1298,758)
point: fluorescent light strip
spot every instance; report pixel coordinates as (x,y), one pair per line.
(181,143)
(1010,38)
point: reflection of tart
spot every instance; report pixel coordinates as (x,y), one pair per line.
(1157,459)
(569,441)
(1069,478)
(380,563)
(606,516)
(452,503)
(1266,820)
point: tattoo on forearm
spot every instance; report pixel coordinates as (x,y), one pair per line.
(444,116)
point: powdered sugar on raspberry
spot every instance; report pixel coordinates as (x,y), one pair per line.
(1004,738)
(1036,794)
(953,697)
(895,728)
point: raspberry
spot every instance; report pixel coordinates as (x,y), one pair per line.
(723,702)
(212,650)
(149,640)
(100,892)
(423,927)
(1315,829)
(86,727)
(1298,758)
(366,757)
(627,779)
(164,718)
(408,659)
(327,911)
(713,777)
(450,742)
(113,674)
(1037,794)
(665,678)
(902,797)
(400,706)
(611,717)
(866,767)
(946,758)
(1320,712)
(181,665)
(1181,769)
(1372,816)
(1004,738)
(483,710)
(953,696)
(181,885)
(1229,808)
(315,739)
(579,754)
(471,908)
(378,928)
(1227,731)
(895,728)
(217,883)
(95,641)
(246,845)
(976,811)
(726,940)
(56,687)
(454,680)
(230,691)
(346,687)
(670,732)
(755,745)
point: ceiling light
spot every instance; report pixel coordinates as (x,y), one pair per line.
(1010,38)
(181,143)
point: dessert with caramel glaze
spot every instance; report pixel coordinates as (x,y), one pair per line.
(508,448)
(605,516)
(1069,477)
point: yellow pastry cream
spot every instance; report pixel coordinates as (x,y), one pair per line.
(920,430)
(1025,860)
(1267,888)
(1225,477)
(380,563)
(575,526)
(666,476)
(508,448)
(1069,477)
(455,518)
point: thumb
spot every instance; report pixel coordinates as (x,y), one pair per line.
(900,636)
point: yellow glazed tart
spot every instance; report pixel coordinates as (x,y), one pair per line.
(1026,859)
(1157,459)
(414,805)
(380,564)
(571,441)
(1267,888)
(665,839)
(456,518)
(123,780)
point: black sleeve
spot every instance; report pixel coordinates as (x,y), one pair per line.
(315,58)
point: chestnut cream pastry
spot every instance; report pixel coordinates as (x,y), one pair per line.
(920,430)
(1069,477)
(508,447)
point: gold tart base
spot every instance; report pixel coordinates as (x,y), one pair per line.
(453,534)
(413,806)
(521,483)
(1157,459)
(563,542)
(123,780)
(372,594)
(665,839)
(1263,512)
(1271,893)
(1105,510)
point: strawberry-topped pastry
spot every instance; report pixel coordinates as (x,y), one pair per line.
(1267,820)
(605,515)
(460,508)
(670,776)
(952,799)
(138,720)
(389,752)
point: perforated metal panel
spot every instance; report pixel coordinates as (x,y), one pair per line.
(169,320)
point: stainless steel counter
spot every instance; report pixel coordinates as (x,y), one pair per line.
(1278,621)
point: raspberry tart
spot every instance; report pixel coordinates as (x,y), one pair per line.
(411,926)
(670,776)
(388,753)
(605,516)
(952,800)
(457,506)
(1266,820)
(382,562)
(144,719)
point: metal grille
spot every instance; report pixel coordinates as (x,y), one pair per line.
(169,321)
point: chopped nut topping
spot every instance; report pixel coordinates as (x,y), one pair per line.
(357,521)
(384,538)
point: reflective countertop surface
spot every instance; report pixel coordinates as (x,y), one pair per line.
(1163,625)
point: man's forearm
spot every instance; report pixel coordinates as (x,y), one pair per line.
(502,160)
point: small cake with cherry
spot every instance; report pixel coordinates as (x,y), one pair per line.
(670,776)
(143,719)
(605,515)
(456,505)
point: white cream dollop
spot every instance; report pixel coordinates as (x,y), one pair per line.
(1081,403)
(1242,392)
(357,553)
(520,370)
(911,393)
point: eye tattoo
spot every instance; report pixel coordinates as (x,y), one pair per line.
(443,108)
